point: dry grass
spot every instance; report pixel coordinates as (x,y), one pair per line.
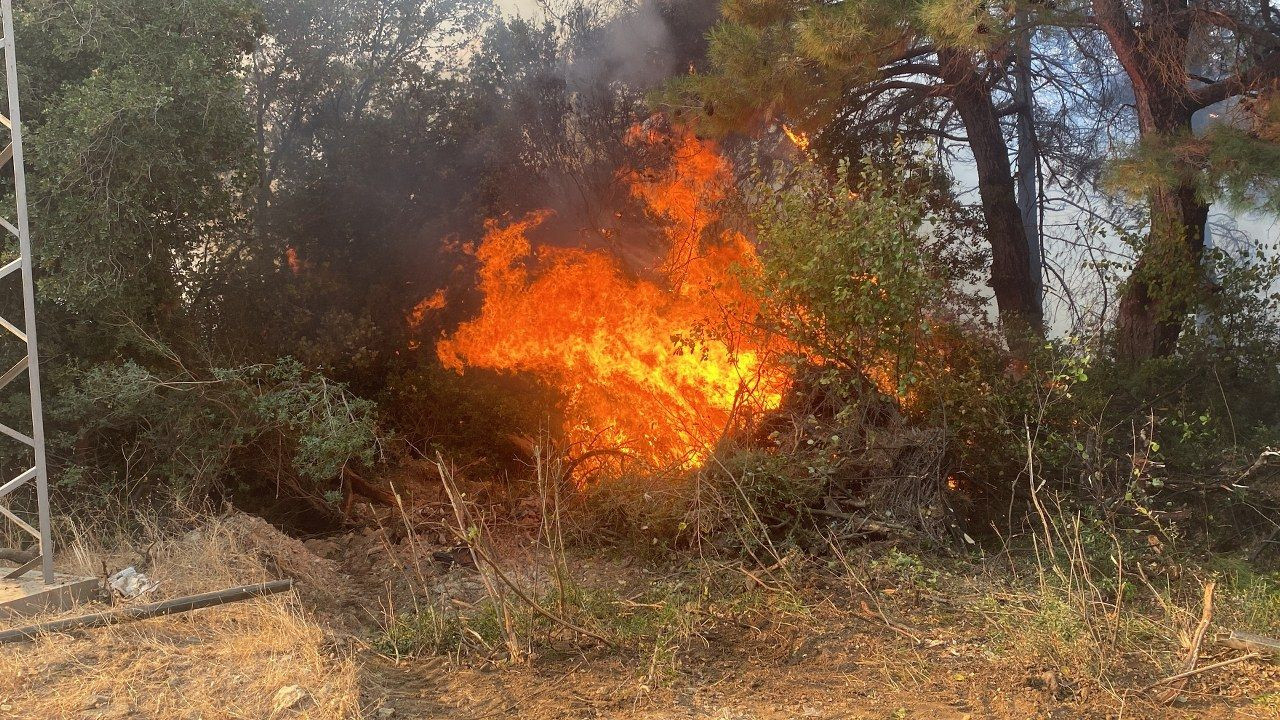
(223,662)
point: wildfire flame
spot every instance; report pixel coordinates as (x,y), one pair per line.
(662,367)
(799,139)
(434,303)
(418,315)
(294,262)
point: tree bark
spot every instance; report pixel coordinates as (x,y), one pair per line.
(1011,279)
(1160,292)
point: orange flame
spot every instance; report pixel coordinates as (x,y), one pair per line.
(428,305)
(799,139)
(418,315)
(292,259)
(662,368)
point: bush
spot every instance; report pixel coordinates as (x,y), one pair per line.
(1172,446)
(480,417)
(858,273)
(904,388)
(865,277)
(126,431)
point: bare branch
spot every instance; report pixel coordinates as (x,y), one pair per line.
(1265,71)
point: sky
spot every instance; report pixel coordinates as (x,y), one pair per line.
(526,8)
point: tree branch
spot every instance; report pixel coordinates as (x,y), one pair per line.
(1225,21)
(912,53)
(881,87)
(1114,21)
(911,69)
(1267,70)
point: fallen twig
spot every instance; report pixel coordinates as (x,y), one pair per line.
(865,525)
(901,628)
(1193,655)
(757,580)
(1206,668)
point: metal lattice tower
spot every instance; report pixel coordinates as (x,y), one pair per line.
(29,365)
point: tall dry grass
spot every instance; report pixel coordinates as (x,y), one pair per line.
(224,662)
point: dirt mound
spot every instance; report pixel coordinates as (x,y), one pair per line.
(320,583)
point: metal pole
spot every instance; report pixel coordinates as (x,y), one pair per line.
(28,291)
(145,612)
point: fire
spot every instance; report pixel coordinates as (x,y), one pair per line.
(292,259)
(660,367)
(434,303)
(418,315)
(799,139)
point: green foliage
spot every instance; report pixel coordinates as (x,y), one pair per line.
(855,278)
(654,624)
(1243,168)
(428,631)
(1253,596)
(183,436)
(966,23)
(1139,444)
(784,57)
(1238,165)
(328,426)
(765,498)
(141,159)
(865,297)
(905,569)
(798,59)
(139,150)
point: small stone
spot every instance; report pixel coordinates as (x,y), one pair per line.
(289,697)
(386,712)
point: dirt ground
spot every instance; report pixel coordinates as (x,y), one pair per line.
(835,664)
(918,653)
(889,647)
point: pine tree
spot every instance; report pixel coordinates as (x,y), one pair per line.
(866,72)
(1183,57)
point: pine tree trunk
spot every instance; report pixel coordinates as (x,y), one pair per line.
(1161,290)
(1011,279)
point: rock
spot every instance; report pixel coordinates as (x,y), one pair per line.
(460,555)
(1055,684)
(129,583)
(386,712)
(289,697)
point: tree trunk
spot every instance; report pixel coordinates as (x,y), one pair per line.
(1011,279)
(1166,279)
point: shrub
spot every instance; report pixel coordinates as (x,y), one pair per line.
(128,431)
